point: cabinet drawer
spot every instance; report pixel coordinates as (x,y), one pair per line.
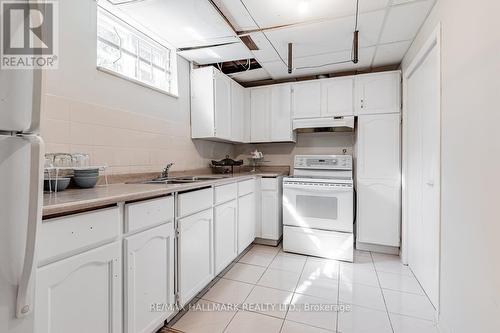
(195,201)
(246,187)
(225,193)
(64,236)
(143,214)
(270,184)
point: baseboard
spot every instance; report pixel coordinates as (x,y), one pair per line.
(264,241)
(377,248)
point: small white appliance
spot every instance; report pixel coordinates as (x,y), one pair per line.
(21,172)
(318,207)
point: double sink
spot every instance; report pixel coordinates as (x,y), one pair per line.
(181,180)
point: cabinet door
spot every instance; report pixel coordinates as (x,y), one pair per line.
(149,278)
(237,109)
(195,254)
(378,93)
(379,212)
(222,86)
(247,118)
(270,214)
(260,108)
(306,100)
(337,97)
(281,113)
(246,221)
(378,147)
(81,293)
(225,235)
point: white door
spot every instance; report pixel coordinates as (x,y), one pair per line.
(337,97)
(225,234)
(246,221)
(378,93)
(237,109)
(378,146)
(379,212)
(306,97)
(81,293)
(149,278)
(195,254)
(269,218)
(260,108)
(281,113)
(21,171)
(423,172)
(222,86)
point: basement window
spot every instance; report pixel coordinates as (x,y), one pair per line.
(126,52)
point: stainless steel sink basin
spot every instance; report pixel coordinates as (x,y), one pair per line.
(180,180)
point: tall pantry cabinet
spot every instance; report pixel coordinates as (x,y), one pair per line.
(378,176)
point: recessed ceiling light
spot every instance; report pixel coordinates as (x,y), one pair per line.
(303,6)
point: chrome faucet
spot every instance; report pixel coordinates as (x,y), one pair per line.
(164,173)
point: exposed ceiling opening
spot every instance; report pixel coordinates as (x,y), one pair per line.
(321,31)
(237,66)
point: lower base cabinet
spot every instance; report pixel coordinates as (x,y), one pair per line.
(195,254)
(81,293)
(246,221)
(225,234)
(149,279)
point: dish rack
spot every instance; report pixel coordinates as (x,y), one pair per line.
(51,170)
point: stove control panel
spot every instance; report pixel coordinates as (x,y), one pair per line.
(323,162)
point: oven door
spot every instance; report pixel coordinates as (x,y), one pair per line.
(318,207)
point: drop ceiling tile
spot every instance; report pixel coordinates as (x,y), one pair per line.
(217,54)
(327,36)
(266,53)
(236,14)
(277,12)
(278,70)
(404,21)
(251,75)
(389,54)
(181,23)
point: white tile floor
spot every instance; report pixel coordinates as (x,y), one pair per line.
(271,292)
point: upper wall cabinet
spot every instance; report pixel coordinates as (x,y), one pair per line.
(337,97)
(237,112)
(271,114)
(378,93)
(210,105)
(306,99)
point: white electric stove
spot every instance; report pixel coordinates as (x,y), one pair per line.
(318,207)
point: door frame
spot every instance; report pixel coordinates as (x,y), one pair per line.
(434,41)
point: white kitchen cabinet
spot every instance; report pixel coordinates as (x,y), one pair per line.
(210,104)
(225,234)
(81,293)
(271,214)
(149,279)
(281,113)
(306,99)
(379,212)
(246,221)
(237,112)
(260,109)
(337,97)
(195,254)
(378,93)
(378,147)
(247,117)
(378,179)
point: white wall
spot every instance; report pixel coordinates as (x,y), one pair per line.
(307,143)
(122,124)
(470,218)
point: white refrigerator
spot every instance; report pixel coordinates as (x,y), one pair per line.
(21,177)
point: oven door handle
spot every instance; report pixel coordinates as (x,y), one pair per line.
(317,188)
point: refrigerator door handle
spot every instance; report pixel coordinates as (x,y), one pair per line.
(26,287)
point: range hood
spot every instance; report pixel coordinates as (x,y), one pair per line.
(327,124)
